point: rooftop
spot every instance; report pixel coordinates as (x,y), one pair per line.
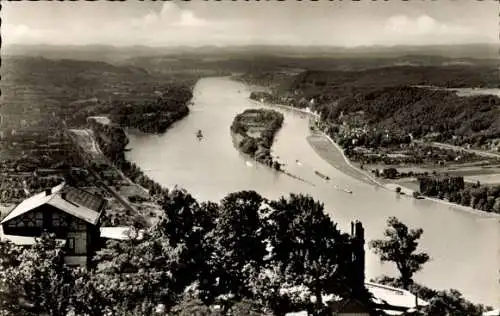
(100,119)
(387,295)
(76,202)
(120,233)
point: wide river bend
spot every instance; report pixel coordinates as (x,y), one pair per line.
(464,246)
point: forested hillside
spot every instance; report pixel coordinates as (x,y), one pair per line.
(451,76)
(421,111)
(394,99)
(37,90)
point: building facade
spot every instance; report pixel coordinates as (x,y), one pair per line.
(71,214)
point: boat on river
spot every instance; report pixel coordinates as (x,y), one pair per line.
(371,204)
(348,191)
(199,134)
(325,177)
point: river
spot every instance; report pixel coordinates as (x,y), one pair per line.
(464,246)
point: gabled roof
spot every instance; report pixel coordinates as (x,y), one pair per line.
(387,295)
(31,203)
(76,202)
(301,313)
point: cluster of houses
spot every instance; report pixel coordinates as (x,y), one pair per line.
(74,216)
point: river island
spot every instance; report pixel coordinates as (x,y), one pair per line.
(391,136)
(254,132)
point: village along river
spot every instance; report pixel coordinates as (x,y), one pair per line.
(464,246)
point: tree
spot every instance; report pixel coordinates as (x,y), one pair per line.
(136,274)
(390,173)
(309,248)
(9,255)
(192,307)
(188,224)
(239,242)
(9,259)
(400,247)
(496,205)
(87,298)
(40,283)
(452,303)
(247,308)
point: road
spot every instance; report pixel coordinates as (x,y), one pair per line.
(115,194)
(85,140)
(458,148)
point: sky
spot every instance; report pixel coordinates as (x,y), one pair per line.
(198,22)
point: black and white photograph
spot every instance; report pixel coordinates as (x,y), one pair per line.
(250,158)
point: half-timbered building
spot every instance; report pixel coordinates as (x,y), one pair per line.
(71,214)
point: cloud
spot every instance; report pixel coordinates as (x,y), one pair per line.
(423,25)
(22,33)
(171,15)
(198,23)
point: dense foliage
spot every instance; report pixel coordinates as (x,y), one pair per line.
(112,140)
(220,254)
(386,101)
(446,76)
(263,122)
(446,302)
(154,116)
(421,111)
(37,90)
(484,198)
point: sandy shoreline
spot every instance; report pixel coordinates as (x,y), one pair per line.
(339,160)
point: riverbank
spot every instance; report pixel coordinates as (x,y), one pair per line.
(174,158)
(237,138)
(332,153)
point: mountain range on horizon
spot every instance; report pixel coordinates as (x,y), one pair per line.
(109,52)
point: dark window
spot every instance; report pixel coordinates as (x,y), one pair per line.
(70,245)
(39,219)
(59,220)
(29,220)
(78,225)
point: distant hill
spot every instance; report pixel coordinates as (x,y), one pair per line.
(453,76)
(36,90)
(420,111)
(119,54)
(388,97)
(105,53)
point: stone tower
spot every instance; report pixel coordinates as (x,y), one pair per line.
(358,257)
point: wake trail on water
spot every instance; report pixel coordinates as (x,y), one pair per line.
(297,177)
(249,164)
(345,190)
